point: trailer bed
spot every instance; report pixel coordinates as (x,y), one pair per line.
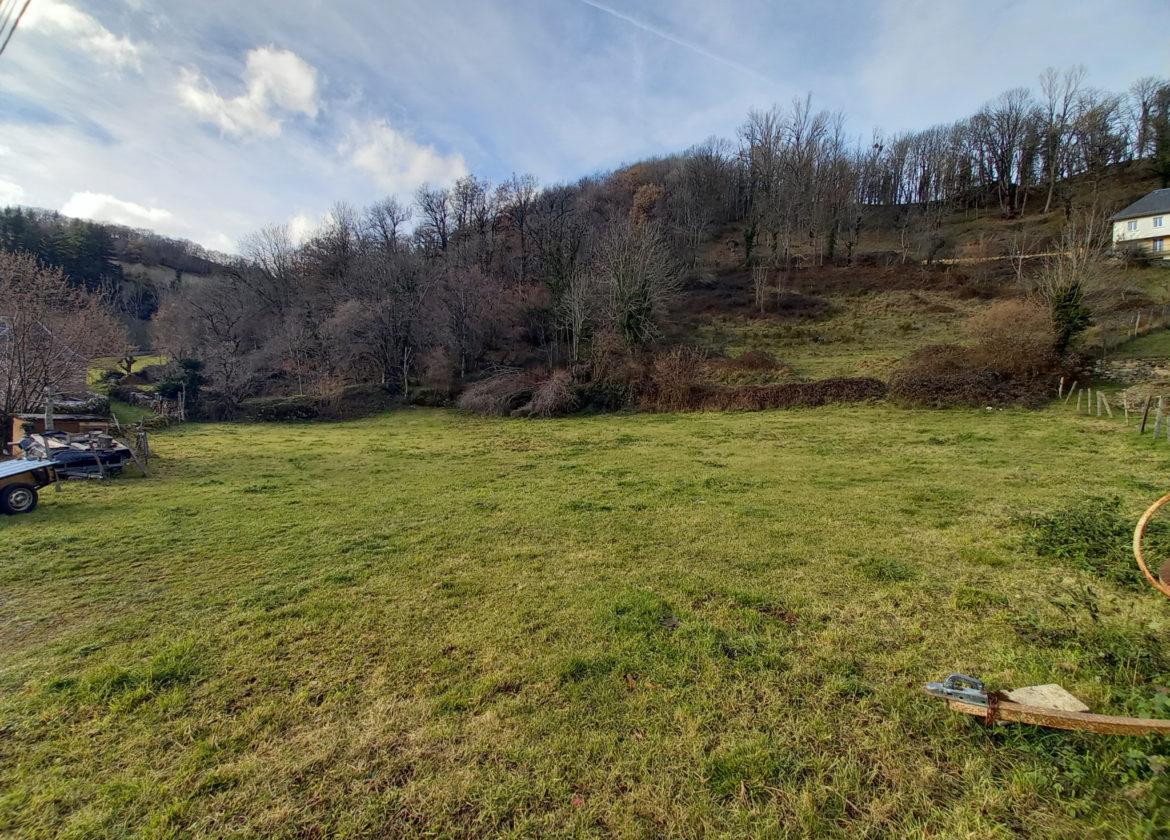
(19,482)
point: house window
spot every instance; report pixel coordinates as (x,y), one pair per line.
(1157,221)
(1158,245)
(1131,225)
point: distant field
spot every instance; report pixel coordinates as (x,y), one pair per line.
(864,335)
(99,366)
(1151,345)
(628,626)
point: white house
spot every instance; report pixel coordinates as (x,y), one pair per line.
(1145,223)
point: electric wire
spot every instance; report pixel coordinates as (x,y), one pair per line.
(15,24)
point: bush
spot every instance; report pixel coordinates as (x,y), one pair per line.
(614,363)
(498,396)
(1013,338)
(150,374)
(752,360)
(354,401)
(346,404)
(1002,369)
(280,409)
(126,393)
(967,388)
(789,395)
(615,396)
(673,378)
(554,397)
(431,397)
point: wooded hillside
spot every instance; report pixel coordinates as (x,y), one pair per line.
(598,277)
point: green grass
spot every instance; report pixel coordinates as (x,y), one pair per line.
(127,413)
(425,624)
(98,367)
(864,335)
(1152,345)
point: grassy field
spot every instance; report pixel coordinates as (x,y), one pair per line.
(863,335)
(425,624)
(1154,344)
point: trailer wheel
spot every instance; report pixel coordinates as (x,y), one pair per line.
(18,498)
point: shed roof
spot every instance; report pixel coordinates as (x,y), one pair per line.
(1156,202)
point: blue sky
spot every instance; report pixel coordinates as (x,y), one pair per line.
(209,120)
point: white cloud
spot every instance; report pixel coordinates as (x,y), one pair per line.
(218,241)
(107,208)
(10,193)
(301,228)
(398,164)
(82,30)
(275,81)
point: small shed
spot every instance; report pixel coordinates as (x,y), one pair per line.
(76,424)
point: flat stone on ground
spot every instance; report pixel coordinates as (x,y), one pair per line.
(1051,696)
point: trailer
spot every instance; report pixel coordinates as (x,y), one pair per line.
(88,455)
(19,482)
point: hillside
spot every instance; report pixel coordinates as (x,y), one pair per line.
(860,318)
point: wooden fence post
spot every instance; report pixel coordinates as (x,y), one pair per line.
(1072,388)
(1079,402)
(1105,402)
(1158,421)
(1060,389)
(1125,405)
(1145,415)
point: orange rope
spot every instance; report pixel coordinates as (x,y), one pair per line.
(1139,532)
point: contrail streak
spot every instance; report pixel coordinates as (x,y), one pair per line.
(674,39)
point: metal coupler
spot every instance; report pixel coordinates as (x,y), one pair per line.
(959,687)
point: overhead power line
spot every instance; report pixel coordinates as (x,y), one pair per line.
(15,23)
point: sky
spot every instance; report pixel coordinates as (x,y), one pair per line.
(210,120)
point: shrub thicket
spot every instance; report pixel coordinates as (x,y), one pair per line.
(498,395)
(1011,361)
(1012,338)
(551,397)
(788,395)
(673,380)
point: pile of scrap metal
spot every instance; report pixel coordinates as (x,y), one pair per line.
(86,455)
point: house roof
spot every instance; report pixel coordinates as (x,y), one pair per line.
(1156,202)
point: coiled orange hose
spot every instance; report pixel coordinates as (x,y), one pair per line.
(1139,532)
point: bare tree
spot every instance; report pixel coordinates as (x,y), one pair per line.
(382,221)
(1002,127)
(1022,242)
(1059,92)
(471,299)
(637,275)
(516,198)
(1143,98)
(434,205)
(760,285)
(216,322)
(1097,132)
(48,332)
(1072,283)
